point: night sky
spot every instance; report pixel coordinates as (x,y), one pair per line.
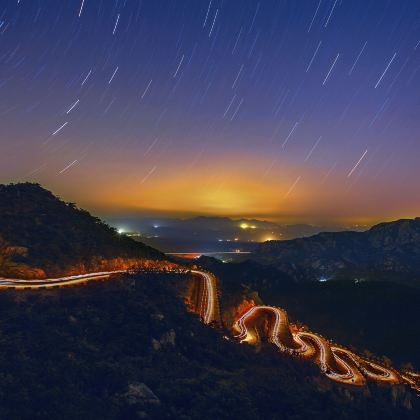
(293,110)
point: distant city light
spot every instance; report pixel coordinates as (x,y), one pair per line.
(247,226)
(133,234)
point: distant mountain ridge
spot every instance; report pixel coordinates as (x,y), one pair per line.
(212,233)
(386,251)
(41,235)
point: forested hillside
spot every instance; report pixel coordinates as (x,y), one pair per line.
(127,349)
(372,317)
(388,251)
(41,235)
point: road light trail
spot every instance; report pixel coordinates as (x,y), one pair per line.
(337,363)
(303,344)
(6,283)
(209,301)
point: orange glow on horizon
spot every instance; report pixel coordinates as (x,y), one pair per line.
(233,187)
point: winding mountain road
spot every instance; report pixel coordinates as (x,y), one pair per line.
(336,362)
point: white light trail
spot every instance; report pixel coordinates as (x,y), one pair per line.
(313,148)
(59,129)
(253,19)
(81,8)
(116,24)
(113,75)
(179,65)
(147,88)
(357,59)
(69,166)
(329,17)
(72,107)
(237,77)
(237,40)
(328,74)
(148,175)
(227,109)
(316,11)
(386,69)
(399,72)
(33,172)
(151,146)
(291,132)
(327,175)
(313,57)
(84,80)
(357,164)
(378,113)
(292,187)
(237,109)
(109,105)
(207,14)
(214,20)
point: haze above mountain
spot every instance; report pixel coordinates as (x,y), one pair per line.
(211,234)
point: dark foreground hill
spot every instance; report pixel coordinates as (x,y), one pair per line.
(388,251)
(42,235)
(127,349)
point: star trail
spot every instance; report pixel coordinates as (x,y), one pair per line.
(288,110)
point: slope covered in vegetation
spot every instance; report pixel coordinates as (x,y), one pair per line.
(388,251)
(127,349)
(377,317)
(42,235)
